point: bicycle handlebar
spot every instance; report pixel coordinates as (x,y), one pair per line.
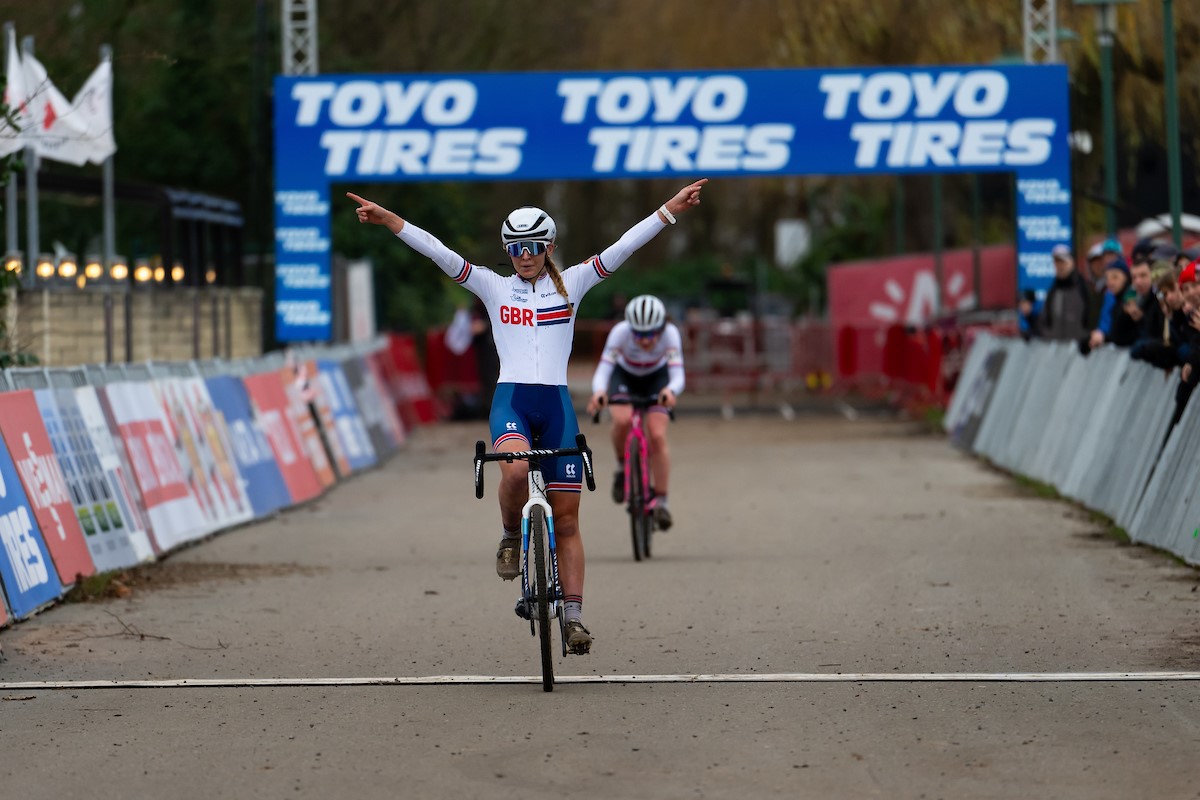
(642,401)
(580,449)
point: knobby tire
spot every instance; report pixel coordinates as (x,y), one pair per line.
(538,537)
(637,504)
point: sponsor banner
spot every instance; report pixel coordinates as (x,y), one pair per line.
(110,454)
(95,507)
(871,296)
(466,127)
(376,377)
(271,409)
(212,476)
(407,381)
(28,577)
(347,422)
(128,477)
(308,379)
(363,386)
(977,400)
(45,485)
(300,397)
(187,451)
(261,477)
(174,513)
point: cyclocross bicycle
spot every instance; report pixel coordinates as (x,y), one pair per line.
(639,485)
(542,594)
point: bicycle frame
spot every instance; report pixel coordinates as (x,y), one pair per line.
(537,497)
(636,438)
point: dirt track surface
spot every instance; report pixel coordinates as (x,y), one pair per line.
(818,545)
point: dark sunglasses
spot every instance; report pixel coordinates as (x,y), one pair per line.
(647,334)
(535,248)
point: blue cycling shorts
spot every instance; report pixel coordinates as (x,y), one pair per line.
(542,417)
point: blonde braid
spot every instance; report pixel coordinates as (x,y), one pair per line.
(556,277)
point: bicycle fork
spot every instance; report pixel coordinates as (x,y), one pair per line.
(526,606)
(637,438)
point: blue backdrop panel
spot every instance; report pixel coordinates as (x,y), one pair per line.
(354,129)
(255,460)
(25,570)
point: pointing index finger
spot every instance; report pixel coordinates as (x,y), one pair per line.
(357,199)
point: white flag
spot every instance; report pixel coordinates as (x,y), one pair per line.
(92,107)
(16,98)
(56,130)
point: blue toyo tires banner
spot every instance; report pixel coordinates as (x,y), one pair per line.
(26,572)
(355,129)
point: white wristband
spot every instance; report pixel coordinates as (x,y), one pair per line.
(666,214)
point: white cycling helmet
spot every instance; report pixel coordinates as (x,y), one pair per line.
(645,313)
(528,224)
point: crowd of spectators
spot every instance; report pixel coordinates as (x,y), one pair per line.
(1148,304)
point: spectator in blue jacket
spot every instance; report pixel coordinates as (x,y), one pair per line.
(1115,326)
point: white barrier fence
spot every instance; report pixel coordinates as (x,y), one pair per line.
(1092,427)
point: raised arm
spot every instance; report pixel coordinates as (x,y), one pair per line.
(377,214)
(637,236)
(423,242)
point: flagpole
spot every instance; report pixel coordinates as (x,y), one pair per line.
(110,231)
(11,245)
(31,197)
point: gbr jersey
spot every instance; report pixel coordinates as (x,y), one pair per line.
(621,349)
(533,325)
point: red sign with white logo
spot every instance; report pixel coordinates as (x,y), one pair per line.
(45,484)
(271,409)
(868,297)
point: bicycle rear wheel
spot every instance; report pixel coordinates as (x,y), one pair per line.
(537,538)
(636,505)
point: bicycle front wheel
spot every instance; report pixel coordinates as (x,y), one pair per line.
(636,505)
(537,538)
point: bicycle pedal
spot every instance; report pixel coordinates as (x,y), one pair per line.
(523,610)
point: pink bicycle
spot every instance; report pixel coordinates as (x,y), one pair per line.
(639,485)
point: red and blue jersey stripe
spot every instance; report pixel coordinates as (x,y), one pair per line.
(556,315)
(510,437)
(562,486)
(465,273)
(599,267)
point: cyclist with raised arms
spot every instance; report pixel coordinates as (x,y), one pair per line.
(642,356)
(533,323)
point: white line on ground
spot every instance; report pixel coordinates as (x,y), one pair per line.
(736,677)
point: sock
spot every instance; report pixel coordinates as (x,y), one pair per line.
(660,499)
(512,534)
(573,607)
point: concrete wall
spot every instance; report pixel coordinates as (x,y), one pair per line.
(67,328)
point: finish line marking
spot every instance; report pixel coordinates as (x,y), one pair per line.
(735,677)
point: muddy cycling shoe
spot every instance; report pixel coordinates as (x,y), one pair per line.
(579,640)
(508,558)
(662,516)
(618,489)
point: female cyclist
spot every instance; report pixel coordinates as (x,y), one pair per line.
(642,356)
(533,322)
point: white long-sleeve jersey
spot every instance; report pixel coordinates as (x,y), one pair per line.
(532,324)
(620,348)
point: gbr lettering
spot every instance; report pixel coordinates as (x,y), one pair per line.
(510,315)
